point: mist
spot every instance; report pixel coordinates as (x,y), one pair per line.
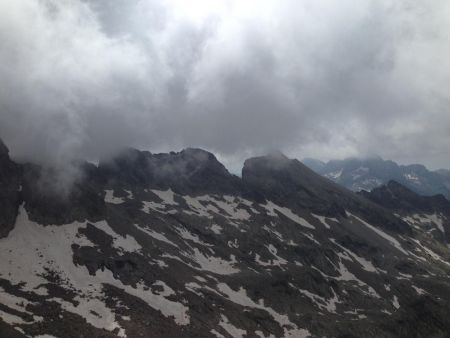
(323,79)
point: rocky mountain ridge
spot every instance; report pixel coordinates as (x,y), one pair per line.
(366,174)
(173,245)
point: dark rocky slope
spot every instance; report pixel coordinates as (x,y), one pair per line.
(9,191)
(433,212)
(173,245)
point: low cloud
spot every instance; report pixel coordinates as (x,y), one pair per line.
(83,79)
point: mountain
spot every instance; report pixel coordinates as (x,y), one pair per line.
(429,212)
(315,165)
(366,174)
(173,245)
(9,190)
(443,172)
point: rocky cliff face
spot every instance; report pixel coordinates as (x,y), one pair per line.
(430,212)
(173,245)
(49,201)
(9,191)
(191,171)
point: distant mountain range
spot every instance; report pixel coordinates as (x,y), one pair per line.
(366,174)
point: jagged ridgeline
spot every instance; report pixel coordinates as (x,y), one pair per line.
(366,174)
(173,245)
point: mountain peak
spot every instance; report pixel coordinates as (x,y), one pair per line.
(3,149)
(191,170)
(274,160)
(200,154)
(393,185)
(277,155)
(290,181)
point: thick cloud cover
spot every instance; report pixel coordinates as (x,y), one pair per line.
(316,78)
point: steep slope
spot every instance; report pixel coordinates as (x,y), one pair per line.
(9,191)
(430,212)
(178,247)
(367,174)
(314,164)
(291,183)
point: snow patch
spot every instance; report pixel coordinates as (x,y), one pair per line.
(166,196)
(346,275)
(240,297)
(109,198)
(230,206)
(125,244)
(419,290)
(429,252)
(334,175)
(272,207)
(322,219)
(322,303)
(156,235)
(214,264)
(187,235)
(382,234)
(272,231)
(367,265)
(199,209)
(31,249)
(395,302)
(278,261)
(217,229)
(230,328)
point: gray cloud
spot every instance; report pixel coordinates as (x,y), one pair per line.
(82,79)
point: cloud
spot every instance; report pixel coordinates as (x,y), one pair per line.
(83,79)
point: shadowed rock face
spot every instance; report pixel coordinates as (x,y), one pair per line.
(191,171)
(49,201)
(292,183)
(397,197)
(404,201)
(9,191)
(173,245)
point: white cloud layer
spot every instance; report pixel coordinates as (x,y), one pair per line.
(315,78)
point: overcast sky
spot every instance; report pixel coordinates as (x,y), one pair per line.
(317,78)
